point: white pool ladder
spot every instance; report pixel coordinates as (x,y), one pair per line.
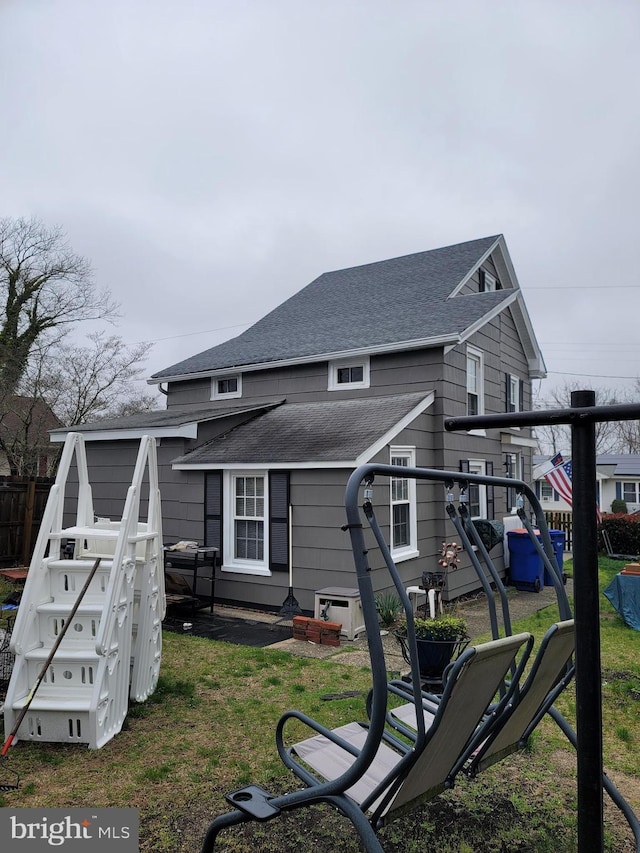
(112,651)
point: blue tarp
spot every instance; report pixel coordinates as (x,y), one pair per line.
(624,593)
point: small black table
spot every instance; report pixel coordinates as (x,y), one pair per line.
(195,560)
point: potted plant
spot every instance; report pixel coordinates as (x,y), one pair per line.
(439,641)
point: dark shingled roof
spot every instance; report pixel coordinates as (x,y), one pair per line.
(173,417)
(395,301)
(334,431)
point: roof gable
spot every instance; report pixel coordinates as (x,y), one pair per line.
(399,303)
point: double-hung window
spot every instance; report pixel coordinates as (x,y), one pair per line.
(513,464)
(246,522)
(404,528)
(480,497)
(247,516)
(475,382)
(630,493)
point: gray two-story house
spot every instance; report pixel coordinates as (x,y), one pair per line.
(362,365)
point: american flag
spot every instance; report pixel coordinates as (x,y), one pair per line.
(560,477)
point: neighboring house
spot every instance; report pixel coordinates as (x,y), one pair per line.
(26,450)
(618,476)
(261,433)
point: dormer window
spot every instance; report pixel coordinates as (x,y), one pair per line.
(352,373)
(226,387)
(488,282)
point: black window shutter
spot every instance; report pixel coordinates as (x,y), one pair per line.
(521,400)
(481,283)
(490,495)
(507,392)
(213,510)
(279,521)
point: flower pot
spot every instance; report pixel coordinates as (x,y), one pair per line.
(433,655)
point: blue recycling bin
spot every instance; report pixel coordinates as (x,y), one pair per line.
(526,569)
(557,540)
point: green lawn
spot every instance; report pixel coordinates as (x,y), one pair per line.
(209,728)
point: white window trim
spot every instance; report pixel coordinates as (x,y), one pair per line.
(217,395)
(490,282)
(518,473)
(474,352)
(410,551)
(230,563)
(514,392)
(479,466)
(334,366)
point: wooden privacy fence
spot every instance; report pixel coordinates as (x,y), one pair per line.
(562,521)
(22,503)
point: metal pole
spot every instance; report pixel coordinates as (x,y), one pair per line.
(587,618)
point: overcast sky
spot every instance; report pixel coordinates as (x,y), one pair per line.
(211,158)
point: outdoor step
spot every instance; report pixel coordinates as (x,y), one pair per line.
(59,607)
(63,653)
(54,616)
(56,701)
(81,565)
(67,579)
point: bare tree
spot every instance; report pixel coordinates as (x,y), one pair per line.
(44,286)
(83,383)
(557,437)
(628,432)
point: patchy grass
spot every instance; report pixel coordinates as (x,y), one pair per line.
(209,728)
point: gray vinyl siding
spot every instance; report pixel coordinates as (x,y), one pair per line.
(321,550)
(392,373)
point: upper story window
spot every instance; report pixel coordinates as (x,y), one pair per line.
(404,528)
(514,393)
(488,282)
(226,386)
(351,373)
(475,382)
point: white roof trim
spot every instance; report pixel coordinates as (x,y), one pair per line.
(486,318)
(437,340)
(189,430)
(385,439)
(467,277)
(510,438)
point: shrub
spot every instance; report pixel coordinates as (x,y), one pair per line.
(618,506)
(624,533)
(445,627)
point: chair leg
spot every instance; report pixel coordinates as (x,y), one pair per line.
(346,807)
(220,823)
